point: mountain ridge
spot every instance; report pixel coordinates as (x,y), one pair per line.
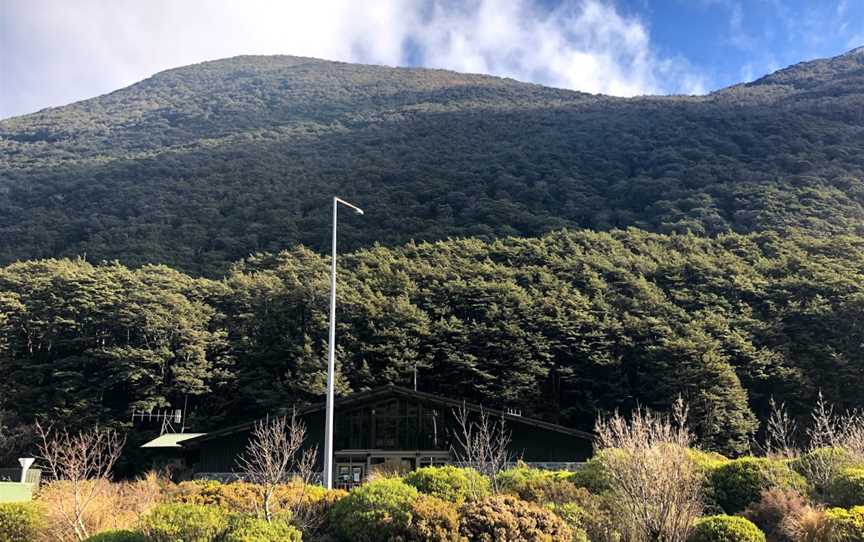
(200,165)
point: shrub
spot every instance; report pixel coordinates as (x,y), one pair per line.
(244,498)
(186,522)
(740,482)
(253,529)
(538,486)
(845,525)
(810,525)
(431,520)
(774,510)
(374,511)
(574,516)
(725,529)
(449,483)
(504,517)
(114,505)
(238,497)
(847,489)
(706,462)
(822,465)
(19,522)
(312,516)
(119,535)
(593,475)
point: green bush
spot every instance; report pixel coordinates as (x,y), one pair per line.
(539,486)
(847,489)
(450,483)
(593,475)
(118,536)
(739,483)
(845,525)
(818,465)
(373,512)
(504,517)
(431,520)
(184,522)
(574,516)
(313,515)
(19,522)
(725,529)
(246,528)
(706,462)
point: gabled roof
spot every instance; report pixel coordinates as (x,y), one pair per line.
(171,440)
(398,391)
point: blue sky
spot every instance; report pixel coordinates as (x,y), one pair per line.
(54,52)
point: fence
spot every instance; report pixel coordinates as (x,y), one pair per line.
(34,476)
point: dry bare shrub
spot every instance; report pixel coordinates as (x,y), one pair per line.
(271,458)
(81,464)
(482,444)
(775,508)
(810,525)
(835,442)
(113,505)
(780,433)
(656,487)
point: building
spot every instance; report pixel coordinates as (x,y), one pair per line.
(395,429)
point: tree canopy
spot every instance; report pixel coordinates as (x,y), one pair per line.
(562,327)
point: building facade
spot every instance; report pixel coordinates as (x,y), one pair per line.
(395,429)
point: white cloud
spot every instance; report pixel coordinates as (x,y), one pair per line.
(56,51)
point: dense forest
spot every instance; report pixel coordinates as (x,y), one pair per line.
(562,326)
(203,165)
(553,251)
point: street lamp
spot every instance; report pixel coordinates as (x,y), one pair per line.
(331,354)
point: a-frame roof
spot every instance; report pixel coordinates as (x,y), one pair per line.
(385,392)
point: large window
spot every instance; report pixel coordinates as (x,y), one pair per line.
(391,425)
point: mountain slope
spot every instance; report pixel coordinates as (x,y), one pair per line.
(200,165)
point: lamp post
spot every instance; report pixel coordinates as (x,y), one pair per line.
(331,353)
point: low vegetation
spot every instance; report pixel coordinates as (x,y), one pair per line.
(645,484)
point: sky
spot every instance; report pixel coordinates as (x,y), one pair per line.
(54,52)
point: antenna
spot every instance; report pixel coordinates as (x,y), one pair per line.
(167,418)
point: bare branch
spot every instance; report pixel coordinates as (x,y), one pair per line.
(780,430)
(270,458)
(657,487)
(84,460)
(482,443)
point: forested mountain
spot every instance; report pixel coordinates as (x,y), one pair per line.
(202,165)
(562,326)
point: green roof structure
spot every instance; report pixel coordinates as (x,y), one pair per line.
(170,440)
